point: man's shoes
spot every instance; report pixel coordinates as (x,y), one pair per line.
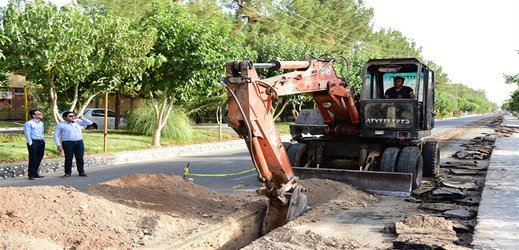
(83,175)
(65,176)
(39,176)
(31,178)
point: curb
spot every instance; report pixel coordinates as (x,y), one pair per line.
(15,169)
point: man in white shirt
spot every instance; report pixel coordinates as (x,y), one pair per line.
(68,137)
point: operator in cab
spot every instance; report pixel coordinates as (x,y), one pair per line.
(399,90)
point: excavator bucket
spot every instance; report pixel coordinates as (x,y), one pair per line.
(386,183)
(278,215)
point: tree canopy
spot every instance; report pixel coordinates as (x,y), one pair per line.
(194,52)
(173,52)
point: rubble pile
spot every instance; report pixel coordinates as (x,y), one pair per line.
(451,200)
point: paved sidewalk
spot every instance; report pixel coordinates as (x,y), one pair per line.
(498,217)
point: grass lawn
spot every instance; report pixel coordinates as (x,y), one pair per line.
(13,147)
(4,124)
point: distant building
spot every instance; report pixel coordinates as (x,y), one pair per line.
(12,98)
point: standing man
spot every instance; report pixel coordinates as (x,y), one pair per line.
(399,90)
(71,143)
(34,136)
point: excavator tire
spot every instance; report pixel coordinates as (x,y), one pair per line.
(411,161)
(431,158)
(297,154)
(389,159)
(287,145)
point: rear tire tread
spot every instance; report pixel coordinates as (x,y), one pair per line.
(389,159)
(411,161)
(431,158)
(296,154)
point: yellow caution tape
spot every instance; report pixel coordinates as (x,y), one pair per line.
(239,185)
(186,173)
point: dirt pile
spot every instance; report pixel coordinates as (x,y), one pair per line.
(144,211)
(130,212)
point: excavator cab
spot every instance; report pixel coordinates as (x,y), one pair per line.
(403,119)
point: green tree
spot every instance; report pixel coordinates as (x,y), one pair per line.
(336,24)
(75,54)
(195,52)
(3,40)
(282,48)
(49,45)
(130,9)
(511,79)
(390,44)
(121,56)
(3,66)
(513,102)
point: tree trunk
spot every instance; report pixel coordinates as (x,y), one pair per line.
(161,115)
(280,111)
(88,100)
(54,105)
(155,139)
(117,110)
(219,119)
(53,98)
(76,98)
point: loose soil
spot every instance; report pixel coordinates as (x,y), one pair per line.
(140,211)
(144,211)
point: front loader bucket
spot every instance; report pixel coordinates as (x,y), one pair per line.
(386,183)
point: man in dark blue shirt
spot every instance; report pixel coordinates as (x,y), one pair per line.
(399,90)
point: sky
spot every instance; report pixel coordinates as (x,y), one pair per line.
(475,42)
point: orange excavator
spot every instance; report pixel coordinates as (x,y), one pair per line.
(367,140)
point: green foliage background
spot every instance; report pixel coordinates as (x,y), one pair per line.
(173,52)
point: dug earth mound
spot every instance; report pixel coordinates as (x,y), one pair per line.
(144,211)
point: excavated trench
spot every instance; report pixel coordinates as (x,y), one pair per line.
(234,234)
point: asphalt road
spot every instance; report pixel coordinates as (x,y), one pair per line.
(228,162)
(215,162)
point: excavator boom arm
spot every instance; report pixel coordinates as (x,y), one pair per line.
(249,114)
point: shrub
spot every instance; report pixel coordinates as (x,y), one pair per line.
(142,121)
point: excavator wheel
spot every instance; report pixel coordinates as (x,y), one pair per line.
(410,161)
(287,145)
(431,158)
(297,154)
(389,159)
